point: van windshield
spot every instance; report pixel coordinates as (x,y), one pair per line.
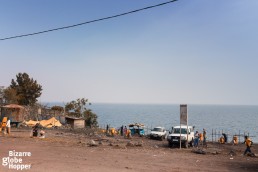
(177,131)
(157,129)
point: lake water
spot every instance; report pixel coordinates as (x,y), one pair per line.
(227,118)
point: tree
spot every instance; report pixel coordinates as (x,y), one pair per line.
(1,95)
(78,109)
(27,89)
(57,108)
(10,96)
(90,118)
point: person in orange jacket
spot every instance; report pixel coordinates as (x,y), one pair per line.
(248,144)
(128,134)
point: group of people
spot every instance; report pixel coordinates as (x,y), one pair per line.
(35,131)
(123,131)
(6,128)
(200,138)
(223,139)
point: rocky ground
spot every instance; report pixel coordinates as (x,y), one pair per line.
(88,150)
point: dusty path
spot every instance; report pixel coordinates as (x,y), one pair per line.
(65,151)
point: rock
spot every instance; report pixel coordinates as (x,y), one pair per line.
(232,153)
(92,143)
(139,144)
(199,151)
(215,153)
(117,146)
(130,144)
(250,154)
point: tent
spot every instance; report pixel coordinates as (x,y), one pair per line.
(52,122)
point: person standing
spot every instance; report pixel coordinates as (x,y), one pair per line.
(225,137)
(248,144)
(35,130)
(107,129)
(204,138)
(122,130)
(125,131)
(8,126)
(196,139)
(235,140)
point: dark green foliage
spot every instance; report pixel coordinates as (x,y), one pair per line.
(78,109)
(1,95)
(10,96)
(57,108)
(27,89)
(91,118)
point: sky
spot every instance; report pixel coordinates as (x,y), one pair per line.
(193,52)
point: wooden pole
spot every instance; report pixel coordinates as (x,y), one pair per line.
(239,136)
(212,135)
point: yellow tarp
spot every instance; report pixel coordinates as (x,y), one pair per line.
(3,123)
(52,122)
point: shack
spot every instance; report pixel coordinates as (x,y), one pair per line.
(137,128)
(75,122)
(14,112)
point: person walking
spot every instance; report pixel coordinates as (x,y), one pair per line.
(248,144)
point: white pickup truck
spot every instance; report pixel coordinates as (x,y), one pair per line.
(158,133)
(174,137)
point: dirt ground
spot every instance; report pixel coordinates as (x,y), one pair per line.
(65,150)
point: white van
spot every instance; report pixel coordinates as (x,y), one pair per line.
(158,133)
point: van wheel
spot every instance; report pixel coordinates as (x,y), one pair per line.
(191,143)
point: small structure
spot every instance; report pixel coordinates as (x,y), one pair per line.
(14,112)
(75,122)
(137,128)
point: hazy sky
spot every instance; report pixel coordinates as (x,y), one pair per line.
(190,51)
